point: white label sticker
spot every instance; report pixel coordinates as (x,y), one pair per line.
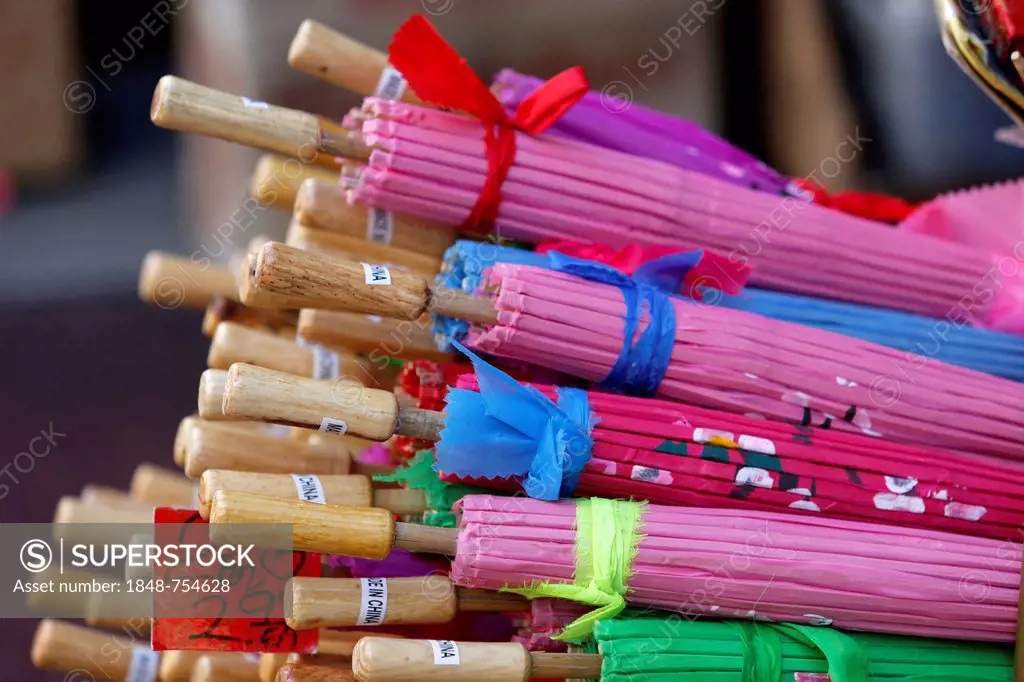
(755,444)
(705,435)
(391,84)
(143,666)
(380,226)
(446,652)
(254,103)
(310,488)
(376,274)
(374,605)
(326,363)
(333,426)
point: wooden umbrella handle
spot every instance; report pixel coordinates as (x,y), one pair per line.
(276,180)
(409,660)
(310,672)
(365,532)
(330,283)
(347,489)
(170,281)
(59,645)
(339,60)
(323,206)
(233,343)
(212,383)
(360,249)
(225,668)
(347,602)
(159,486)
(188,107)
(250,446)
(334,406)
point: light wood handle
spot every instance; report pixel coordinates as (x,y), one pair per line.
(350,490)
(181,439)
(265,395)
(113,498)
(107,610)
(380,337)
(337,644)
(218,445)
(400,501)
(326,528)
(59,645)
(188,107)
(73,510)
(322,206)
(269,665)
(254,297)
(359,249)
(311,672)
(277,179)
(339,60)
(336,284)
(170,281)
(337,602)
(176,666)
(412,660)
(237,668)
(212,383)
(281,322)
(162,487)
(331,283)
(233,343)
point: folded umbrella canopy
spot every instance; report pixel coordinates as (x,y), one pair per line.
(713,562)
(432,164)
(922,338)
(627,127)
(632,338)
(449,168)
(617,446)
(659,649)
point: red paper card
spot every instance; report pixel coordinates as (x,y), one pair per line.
(248,594)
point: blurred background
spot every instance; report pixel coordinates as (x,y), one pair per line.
(88,184)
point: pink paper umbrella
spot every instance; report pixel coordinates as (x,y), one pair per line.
(687,456)
(740,362)
(432,164)
(742,564)
(728,360)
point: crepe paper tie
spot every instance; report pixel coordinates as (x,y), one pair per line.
(418,474)
(607,540)
(644,359)
(438,75)
(525,433)
(873,206)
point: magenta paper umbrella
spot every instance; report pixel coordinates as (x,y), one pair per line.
(729,360)
(686,456)
(560,442)
(696,562)
(433,164)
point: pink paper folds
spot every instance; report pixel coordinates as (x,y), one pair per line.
(675,454)
(739,362)
(988,218)
(742,564)
(432,164)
